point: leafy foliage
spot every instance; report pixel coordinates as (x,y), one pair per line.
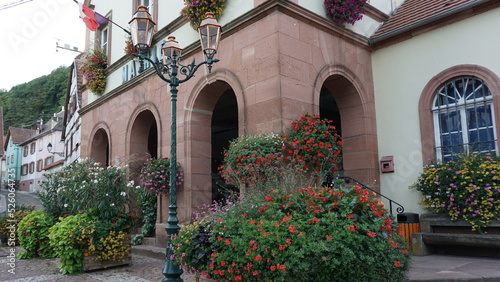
(67,237)
(148,210)
(194,10)
(308,153)
(39,98)
(85,185)
(464,189)
(33,233)
(9,221)
(93,66)
(311,234)
(345,11)
(155,175)
(252,158)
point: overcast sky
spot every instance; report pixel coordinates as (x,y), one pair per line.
(28,36)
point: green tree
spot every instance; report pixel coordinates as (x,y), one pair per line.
(39,98)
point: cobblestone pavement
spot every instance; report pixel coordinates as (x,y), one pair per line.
(143,269)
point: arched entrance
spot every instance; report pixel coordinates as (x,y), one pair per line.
(99,151)
(144,136)
(328,109)
(214,118)
(343,99)
(224,129)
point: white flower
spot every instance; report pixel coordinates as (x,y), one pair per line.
(65,205)
(123,194)
(107,194)
(112,205)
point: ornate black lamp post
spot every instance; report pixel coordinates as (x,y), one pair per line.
(142,28)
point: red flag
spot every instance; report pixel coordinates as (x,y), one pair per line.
(91,18)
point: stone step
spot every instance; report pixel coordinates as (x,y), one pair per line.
(149,251)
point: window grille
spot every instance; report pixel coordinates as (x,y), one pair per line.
(464,119)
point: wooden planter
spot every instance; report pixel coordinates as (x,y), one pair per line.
(90,264)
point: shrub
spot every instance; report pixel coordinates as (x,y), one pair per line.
(33,234)
(314,142)
(252,159)
(148,210)
(312,234)
(84,234)
(309,153)
(464,189)
(92,203)
(9,222)
(86,185)
(345,11)
(155,175)
(68,237)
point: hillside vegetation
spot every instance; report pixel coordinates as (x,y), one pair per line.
(39,98)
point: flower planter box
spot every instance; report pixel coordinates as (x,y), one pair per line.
(90,263)
(439,234)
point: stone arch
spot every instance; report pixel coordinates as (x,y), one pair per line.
(427,134)
(357,112)
(198,132)
(144,132)
(100,144)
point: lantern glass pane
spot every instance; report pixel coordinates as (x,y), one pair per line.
(204,37)
(141,32)
(213,34)
(133,27)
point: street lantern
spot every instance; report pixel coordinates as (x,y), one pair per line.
(174,73)
(209,32)
(142,27)
(171,50)
(49,149)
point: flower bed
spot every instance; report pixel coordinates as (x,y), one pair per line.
(92,260)
(465,189)
(85,218)
(311,234)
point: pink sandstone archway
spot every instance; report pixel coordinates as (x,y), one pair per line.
(357,113)
(198,120)
(100,150)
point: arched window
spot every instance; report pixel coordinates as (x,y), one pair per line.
(464,118)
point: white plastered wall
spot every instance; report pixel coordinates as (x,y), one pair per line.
(400,73)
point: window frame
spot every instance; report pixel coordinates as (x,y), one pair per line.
(461,95)
(48,161)
(32,167)
(39,165)
(425,114)
(24,169)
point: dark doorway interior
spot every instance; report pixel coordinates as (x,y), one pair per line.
(153,140)
(328,109)
(224,129)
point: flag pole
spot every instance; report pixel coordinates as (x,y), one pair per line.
(126,31)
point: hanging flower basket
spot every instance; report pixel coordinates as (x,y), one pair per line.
(345,11)
(93,67)
(194,10)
